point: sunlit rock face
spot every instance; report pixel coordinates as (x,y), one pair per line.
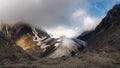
(23,35)
(25,42)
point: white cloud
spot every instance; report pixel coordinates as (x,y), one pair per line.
(42,12)
(85,20)
(62,30)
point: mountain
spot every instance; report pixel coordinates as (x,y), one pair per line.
(103,46)
(38,43)
(106,36)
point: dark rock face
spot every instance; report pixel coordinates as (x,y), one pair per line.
(20,29)
(85,35)
(106,36)
(42,33)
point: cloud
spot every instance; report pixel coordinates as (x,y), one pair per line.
(85,20)
(42,12)
(62,17)
(48,14)
(80,20)
(62,30)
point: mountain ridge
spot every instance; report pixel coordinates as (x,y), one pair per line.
(111,18)
(105,39)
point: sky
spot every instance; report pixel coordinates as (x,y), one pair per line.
(58,17)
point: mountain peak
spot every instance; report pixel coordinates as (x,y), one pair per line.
(111,20)
(106,36)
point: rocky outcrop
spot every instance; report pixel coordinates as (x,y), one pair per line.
(10,52)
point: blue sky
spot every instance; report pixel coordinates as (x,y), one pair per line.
(98,8)
(101,7)
(57,17)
